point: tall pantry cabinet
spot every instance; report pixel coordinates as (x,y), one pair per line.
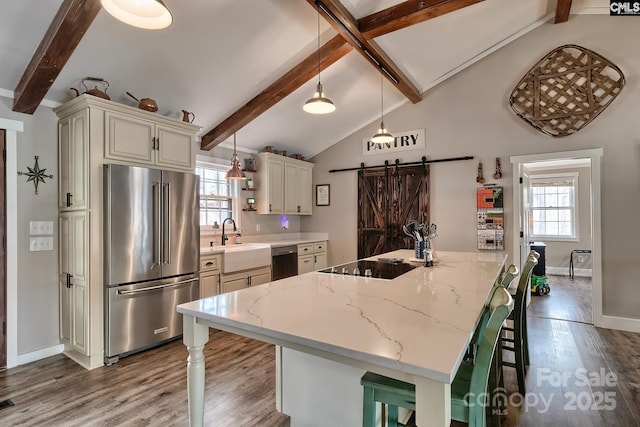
(91,132)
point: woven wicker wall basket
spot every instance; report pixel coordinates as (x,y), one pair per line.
(566,90)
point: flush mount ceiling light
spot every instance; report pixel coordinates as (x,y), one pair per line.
(147,14)
(235,172)
(319,104)
(382,136)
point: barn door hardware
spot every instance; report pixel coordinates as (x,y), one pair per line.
(424,161)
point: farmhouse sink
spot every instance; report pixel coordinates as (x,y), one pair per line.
(243,256)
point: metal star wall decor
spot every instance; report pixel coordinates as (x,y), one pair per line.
(36,175)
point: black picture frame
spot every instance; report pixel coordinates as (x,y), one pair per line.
(323,195)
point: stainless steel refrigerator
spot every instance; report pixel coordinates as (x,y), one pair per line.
(152,249)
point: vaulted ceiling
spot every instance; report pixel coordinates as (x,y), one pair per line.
(248,66)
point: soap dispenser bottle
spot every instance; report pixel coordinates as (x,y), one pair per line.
(238,237)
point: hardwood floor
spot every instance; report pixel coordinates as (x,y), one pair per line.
(568,300)
(146,389)
(579,374)
(149,389)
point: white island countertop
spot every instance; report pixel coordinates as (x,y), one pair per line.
(418,323)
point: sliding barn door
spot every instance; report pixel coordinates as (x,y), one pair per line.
(388,198)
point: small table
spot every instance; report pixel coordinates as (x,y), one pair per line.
(576,251)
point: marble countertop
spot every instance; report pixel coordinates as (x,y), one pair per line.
(419,323)
(274,241)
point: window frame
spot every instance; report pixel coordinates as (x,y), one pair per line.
(555,180)
(234,190)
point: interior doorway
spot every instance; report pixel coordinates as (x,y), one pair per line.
(3,251)
(526,167)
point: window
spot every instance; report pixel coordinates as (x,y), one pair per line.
(217,195)
(553,206)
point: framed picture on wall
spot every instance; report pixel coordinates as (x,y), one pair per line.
(322,195)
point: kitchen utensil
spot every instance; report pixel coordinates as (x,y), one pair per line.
(95,91)
(188,116)
(407,232)
(146,104)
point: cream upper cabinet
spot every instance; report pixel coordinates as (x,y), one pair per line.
(143,141)
(284,185)
(73,161)
(270,184)
(297,188)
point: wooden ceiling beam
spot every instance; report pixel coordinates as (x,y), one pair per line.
(407,13)
(346,25)
(64,34)
(330,52)
(563,7)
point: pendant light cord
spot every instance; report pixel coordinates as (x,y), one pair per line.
(318,16)
(381,98)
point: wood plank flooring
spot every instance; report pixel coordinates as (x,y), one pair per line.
(149,389)
(146,389)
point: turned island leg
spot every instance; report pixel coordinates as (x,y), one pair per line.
(195,336)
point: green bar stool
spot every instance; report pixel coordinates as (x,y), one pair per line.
(470,381)
(518,342)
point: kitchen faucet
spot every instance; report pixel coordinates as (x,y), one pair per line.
(224,236)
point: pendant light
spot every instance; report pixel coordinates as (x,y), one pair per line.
(382,136)
(319,104)
(235,172)
(147,14)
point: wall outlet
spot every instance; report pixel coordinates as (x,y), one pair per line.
(258,228)
(40,244)
(580,258)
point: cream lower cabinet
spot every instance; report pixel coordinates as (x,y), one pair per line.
(74,293)
(312,257)
(245,278)
(210,275)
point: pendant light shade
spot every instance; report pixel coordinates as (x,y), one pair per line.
(382,136)
(147,14)
(235,172)
(319,104)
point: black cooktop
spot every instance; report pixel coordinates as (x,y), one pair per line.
(387,269)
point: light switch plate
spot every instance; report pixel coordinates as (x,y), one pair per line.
(40,244)
(40,228)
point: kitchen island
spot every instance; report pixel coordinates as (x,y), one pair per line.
(415,328)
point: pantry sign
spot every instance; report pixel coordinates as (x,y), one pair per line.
(404,141)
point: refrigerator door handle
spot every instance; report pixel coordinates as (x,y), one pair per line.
(157,230)
(166,190)
(155,288)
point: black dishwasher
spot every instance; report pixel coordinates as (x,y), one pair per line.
(284,262)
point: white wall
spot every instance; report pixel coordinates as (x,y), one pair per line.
(37,278)
(469,114)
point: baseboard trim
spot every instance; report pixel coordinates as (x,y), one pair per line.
(621,323)
(564,271)
(39,354)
